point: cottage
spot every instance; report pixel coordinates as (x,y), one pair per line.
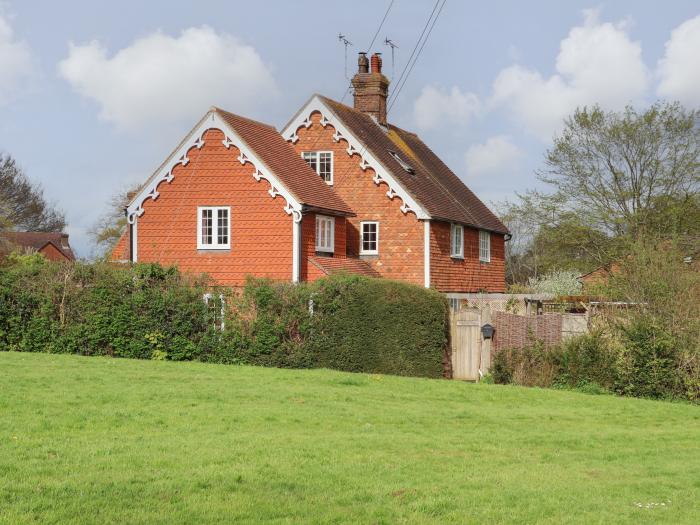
(52,245)
(339,189)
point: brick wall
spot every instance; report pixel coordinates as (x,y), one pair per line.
(517,331)
(261,232)
(465,275)
(400,235)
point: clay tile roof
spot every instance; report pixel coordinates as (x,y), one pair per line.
(37,240)
(332,265)
(433,185)
(281,157)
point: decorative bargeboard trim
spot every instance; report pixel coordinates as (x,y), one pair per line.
(367,160)
(196,140)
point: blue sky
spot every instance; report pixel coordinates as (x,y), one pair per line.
(94,95)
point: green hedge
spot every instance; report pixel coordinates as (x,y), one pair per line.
(149,312)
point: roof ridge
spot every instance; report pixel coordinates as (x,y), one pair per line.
(236,115)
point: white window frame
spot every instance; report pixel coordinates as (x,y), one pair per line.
(215,228)
(320,220)
(362,232)
(207,297)
(484,246)
(318,163)
(456,248)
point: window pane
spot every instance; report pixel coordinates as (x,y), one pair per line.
(311,159)
(222,227)
(207,226)
(325,166)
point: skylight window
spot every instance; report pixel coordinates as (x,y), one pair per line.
(407,167)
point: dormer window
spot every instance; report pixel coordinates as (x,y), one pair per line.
(322,163)
(407,167)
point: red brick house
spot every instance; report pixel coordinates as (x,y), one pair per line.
(340,189)
(52,245)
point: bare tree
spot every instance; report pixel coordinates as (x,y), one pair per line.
(112,224)
(22,203)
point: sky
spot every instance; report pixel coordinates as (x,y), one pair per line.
(94,94)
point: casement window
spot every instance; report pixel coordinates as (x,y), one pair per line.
(213,227)
(325,236)
(457,241)
(216,310)
(369,238)
(321,162)
(484,246)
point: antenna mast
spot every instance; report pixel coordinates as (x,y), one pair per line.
(393,46)
(342,38)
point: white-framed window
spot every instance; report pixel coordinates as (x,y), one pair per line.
(321,162)
(369,238)
(484,246)
(457,241)
(325,236)
(213,227)
(217,312)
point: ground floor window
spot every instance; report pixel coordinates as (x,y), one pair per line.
(369,238)
(325,236)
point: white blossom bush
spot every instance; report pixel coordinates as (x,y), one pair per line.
(557,282)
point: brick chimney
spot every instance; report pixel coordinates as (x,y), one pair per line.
(371,87)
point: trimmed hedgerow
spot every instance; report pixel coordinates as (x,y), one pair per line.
(146,311)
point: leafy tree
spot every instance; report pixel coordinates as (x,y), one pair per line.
(22,203)
(611,178)
(615,169)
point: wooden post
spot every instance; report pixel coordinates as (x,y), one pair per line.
(485,343)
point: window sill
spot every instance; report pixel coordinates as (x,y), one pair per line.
(213,250)
(457,257)
(324,253)
(484,262)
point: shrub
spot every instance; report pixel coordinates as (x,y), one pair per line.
(532,365)
(586,360)
(147,311)
(557,282)
(648,362)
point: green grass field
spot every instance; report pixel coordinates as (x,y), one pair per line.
(98,440)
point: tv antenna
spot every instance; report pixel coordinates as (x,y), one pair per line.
(342,38)
(393,46)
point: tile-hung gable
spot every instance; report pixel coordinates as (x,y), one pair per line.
(412,171)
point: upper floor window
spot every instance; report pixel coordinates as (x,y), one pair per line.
(484,246)
(369,238)
(321,162)
(213,227)
(457,241)
(325,237)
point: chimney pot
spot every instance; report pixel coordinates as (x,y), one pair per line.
(362,62)
(377,63)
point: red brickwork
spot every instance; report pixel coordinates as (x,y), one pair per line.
(261,232)
(120,252)
(517,331)
(52,253)
(400,235)
(448,274)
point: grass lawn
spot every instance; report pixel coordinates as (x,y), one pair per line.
(98,440)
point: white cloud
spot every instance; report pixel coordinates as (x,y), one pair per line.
(435,105)
(597,63)
(163,79)
(497,155)
(679,69)
(16,61)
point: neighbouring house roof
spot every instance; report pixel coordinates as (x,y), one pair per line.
(333,265)
(432,184)
(38,240)
(264,142)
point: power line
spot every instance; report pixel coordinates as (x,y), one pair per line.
(396,93)
(403,72)
(380,25)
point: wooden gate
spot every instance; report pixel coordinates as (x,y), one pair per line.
(465,332)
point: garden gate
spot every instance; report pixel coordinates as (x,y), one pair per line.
(465,335)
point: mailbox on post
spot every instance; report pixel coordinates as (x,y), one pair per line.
(487,331)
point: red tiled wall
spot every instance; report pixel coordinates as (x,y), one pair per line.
(400,236)
(261,232)
(120,252)
(309,272)
(467,275)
